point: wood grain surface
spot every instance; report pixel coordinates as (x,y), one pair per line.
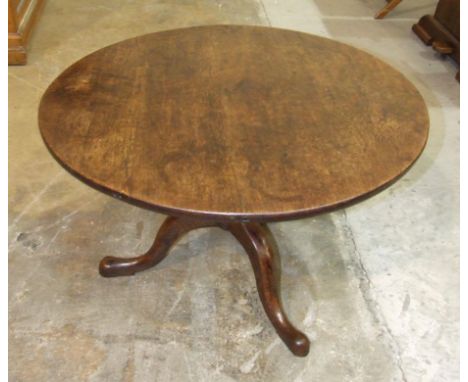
(234,122)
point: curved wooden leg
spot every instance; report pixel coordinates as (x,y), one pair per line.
(385,10)
(259,243)
(171,230)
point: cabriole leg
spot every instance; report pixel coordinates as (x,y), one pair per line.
(171,230)
(259,244)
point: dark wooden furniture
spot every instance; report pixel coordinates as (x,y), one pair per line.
(233,127)
(22,14)
(442,31)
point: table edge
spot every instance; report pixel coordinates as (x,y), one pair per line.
(232,216)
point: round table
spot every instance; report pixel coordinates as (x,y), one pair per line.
(234,127)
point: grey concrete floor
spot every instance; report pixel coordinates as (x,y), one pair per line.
(375,286)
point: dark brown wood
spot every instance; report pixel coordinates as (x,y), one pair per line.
(171,231)
(22,15)
(442,30)
(431,32)
(448,14)
(259,244)
(442,47)
(234,122)
(233,126)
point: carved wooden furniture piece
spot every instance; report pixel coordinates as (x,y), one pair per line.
(442,30)
(233,127)
(22,14)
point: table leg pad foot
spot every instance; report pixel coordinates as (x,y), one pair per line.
(113,266)
(299,345)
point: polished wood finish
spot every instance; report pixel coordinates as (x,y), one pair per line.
(171,231)
(259,244)
(442,30)
(232,127)
(22,15)
(234,122)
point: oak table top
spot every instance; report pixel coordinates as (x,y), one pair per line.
(234,123)
(232,127)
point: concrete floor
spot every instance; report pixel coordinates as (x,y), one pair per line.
(375,286)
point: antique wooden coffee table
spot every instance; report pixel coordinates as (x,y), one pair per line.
(233,127)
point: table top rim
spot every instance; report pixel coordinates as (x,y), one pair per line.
(227,215)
